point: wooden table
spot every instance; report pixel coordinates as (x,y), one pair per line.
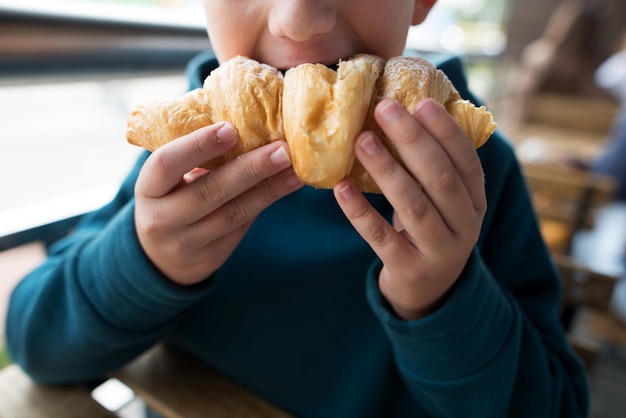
(170,383)
(21,398)
(177,387)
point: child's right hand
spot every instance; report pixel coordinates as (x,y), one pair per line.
(190,220)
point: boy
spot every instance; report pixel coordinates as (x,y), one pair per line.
(426,303)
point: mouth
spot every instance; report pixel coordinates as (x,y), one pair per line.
(333,67)
(283,62)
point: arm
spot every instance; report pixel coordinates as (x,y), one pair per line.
(116,285)
(96,302)
(496,347)
(487,342)
(481,355)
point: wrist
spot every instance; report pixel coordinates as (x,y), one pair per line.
(405,314)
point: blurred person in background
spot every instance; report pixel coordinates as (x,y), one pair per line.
(611,75)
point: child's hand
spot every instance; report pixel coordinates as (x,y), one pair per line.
(189,220)
(439,203)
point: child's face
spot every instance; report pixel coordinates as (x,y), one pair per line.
(285,33)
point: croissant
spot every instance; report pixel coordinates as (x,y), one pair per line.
(317,110)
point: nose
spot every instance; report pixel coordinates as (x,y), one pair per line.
(299,20)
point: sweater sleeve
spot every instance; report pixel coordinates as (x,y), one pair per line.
(496,347)
(96,302)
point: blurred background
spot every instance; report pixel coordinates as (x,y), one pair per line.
(551,71)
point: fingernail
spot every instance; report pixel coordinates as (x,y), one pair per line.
(390,110)
(370,145)
(226,133)
(293,179)
(345,190)
(427,109)
(280,157)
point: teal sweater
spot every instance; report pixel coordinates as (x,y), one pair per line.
(296,316)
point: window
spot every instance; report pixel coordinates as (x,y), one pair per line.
(474,27)
(70,73)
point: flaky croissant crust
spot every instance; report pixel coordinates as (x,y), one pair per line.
(317,110)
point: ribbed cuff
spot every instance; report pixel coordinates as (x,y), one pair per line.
(122,283)
(461,337)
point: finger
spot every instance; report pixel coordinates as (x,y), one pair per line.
(242,210)
(166,166)
(386,242)
(209,192)
(429,164)
(412,206)
(459,149)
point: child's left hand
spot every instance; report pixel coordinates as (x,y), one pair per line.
(439,202)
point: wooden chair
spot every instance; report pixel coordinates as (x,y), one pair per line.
(583,289)
(565,201)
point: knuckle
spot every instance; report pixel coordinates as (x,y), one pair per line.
(410,136)
(179,247)
(152,225)
(474,167)
(448,182)
(388,168)
(252,168)
(418,209)
(200,144)
(481,206)
(449,129)
(375,232)
(272,189)
(210,192)
(236,214)
(378,234)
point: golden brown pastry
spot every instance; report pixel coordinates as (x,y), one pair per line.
(409,80)
(317,110)
(327,110)
(256,113)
